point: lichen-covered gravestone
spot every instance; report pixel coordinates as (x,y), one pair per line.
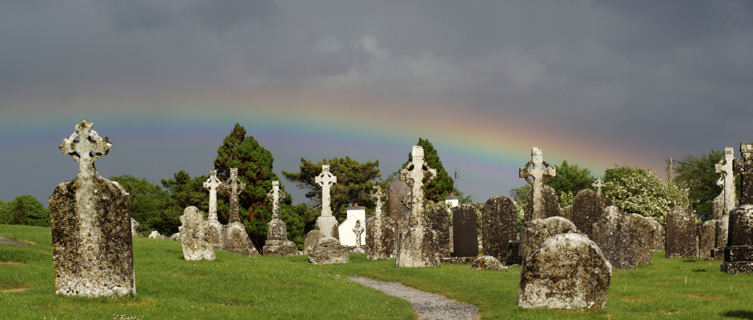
(738,256)
(498,226)
(657,238)
(706,234)
(277,243)
(487,263)
(194,238)
(681,239)
(215,229)
(328,251)
(538,230)
(412,240)
(465,231)
(91,225)
(587,208)
(236,239)
(326,223)
(541,201)
(722,204)
(438,219)
(398,202)
(380,231)
(626,240)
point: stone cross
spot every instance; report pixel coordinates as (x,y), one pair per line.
(598,184)
(276,196)
(235,186)
(377,194)
(358,230)
(537,172)
(413,174)
(326,180)
(85,146)
(212,184)
(727,179)
(744,167)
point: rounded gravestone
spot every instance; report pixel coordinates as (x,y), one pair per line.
(487,263)
(538,230)
(498,226)
(328,251)
(587,208)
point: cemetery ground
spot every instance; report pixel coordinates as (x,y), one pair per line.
(236,286)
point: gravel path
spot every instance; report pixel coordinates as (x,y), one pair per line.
(428,306)
(4,240)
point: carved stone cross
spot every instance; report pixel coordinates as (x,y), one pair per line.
(725,168)
(326,180)
(598,184)
(235,186)
(413,174)
(377,194)
(276,196)
(537,172)
(212,184)
(744,167)
(85,146)
(358,230)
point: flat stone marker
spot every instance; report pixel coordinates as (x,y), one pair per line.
(215,229)
(681,240)
(542,200)
(380,231)
(194,238)
(498,226)
(236,239)
(91,225)
(465,230)
(326,223)
(277,243)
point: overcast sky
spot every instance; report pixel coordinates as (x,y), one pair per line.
(667,77)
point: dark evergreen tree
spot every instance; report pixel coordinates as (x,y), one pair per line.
(26,210)
(147,200)
(442,185)
(698,175)
(183,191)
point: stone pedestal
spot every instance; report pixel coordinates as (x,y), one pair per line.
(215,230)
(738,256)
(236,240)
(277,243)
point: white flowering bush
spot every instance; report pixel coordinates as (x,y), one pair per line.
(636,190)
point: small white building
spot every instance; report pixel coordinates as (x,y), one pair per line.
(347,236)
(452,201)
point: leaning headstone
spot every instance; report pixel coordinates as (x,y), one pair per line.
(487,263)
(625,240)
(498,226)
(738,256)
(413,238)
(380,231)
(236,239)
(215,229)
(277,243)
(588,207)
(464,228)
(194,238)
(541,201)
(657,237)
(538,230)
(706,234)
(326,223)
(134,225)
(567,272)
(681,239)
(328,251)
(91,225)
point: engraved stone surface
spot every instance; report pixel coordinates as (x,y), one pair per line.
(411,238)
(194,238)
(487,263)
(277,243)
(498,226)
(542,201)
(380,231)
(328,251)
(215,229)
(706,234)
(626,240)
(588,207)
(91,225)
(464,228)
(681,239)
(236,239)
(567,272)
(326,223)
(738,256)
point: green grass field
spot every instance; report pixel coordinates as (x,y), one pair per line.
(239,287)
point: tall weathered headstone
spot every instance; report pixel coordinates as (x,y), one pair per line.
(277,243)
(194,237)
(215,228)
(657,238)
(236,239)
(723,203)
(738,256)
(681,239)
(626,240)
(464,228)
(498,226)
(743,166)
(587,208)
(411,238)
(326,223)
(380,231)
(438,220)
(91,225)
(541,201)
(706,234)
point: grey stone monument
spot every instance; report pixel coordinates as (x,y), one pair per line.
(194,237)
(380,231)
(588,206)
(215,228)
(738,256)
(358,230)
(91,225)
(277,243)
(464,226)
(236,239)
(498,226)
(681,239)
(326,223)
(626,240)
(543,199)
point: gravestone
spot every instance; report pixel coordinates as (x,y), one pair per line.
(326,223)
(464,228)
(568,271)
(91,225)
(588,206)
(743,166)
(706,234)
(537,231)
(134,225)
(625,240)
(174,237)
(438,219)
(398,201)
(311,239)
(236,239)
(380,231)
(194,238)
(328,251)
(156,235)
(738,256)
(358,231)
(498,226)
(513,253)
(541,201)
(416,236)
(487,263)
(657,238)
(215,229)
(681,239)
(277,243)
(724,202)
